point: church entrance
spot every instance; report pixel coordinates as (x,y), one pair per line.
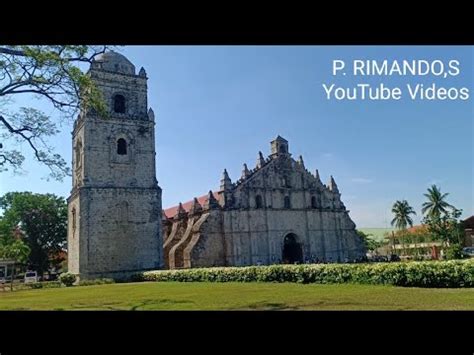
(292,251)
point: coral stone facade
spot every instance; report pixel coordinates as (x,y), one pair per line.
(114,221)
(277,212)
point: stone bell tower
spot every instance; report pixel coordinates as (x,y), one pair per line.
(114,211)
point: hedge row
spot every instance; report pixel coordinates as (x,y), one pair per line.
(453,273)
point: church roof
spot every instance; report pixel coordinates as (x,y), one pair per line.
(115,62)
(171,211)
(280,139)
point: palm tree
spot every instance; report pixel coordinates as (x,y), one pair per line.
(402,211)
(436,204)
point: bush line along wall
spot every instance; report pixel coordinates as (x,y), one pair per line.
(410,274)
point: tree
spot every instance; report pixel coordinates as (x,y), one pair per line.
(52,73)
(14,249)
(370,243)
(446,227)
(43,220)
(436,204)
(402,211)
(402,219)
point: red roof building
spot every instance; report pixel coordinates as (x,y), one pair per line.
(171,211)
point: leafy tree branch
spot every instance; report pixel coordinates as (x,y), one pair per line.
(51,73)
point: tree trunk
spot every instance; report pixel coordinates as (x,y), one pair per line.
(13,277)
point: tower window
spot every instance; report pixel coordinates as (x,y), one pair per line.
(119,104)
(122,147)
(258,201)
(313,202)
(287,203)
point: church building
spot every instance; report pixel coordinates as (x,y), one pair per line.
(277,212)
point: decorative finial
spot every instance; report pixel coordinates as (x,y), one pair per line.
(211,201)
(332,185)
(318,178)
(142,72)
(260,160)
(245,171)
(180,212)
(151,114)
(226,182)
(195,207)
(300,161)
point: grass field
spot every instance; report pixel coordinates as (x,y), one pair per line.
(237,296)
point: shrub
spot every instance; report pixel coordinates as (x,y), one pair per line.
(454,252)
(67,279)
(454,273)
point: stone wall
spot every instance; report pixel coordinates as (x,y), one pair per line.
(278,198)
(115,198)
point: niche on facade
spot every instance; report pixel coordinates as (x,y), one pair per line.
(122,212)
(78,156)
(74,221)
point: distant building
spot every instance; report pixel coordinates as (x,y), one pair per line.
(414,241)
(468,226)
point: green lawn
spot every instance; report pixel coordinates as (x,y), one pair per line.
(226,296)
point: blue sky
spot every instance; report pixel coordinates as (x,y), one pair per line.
(217,106)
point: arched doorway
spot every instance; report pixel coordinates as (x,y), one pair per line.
(292,251)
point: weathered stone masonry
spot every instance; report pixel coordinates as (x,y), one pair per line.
(277,212)
(115,208)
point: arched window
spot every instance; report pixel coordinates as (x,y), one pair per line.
(258,201)
(282,149)
(119,104)
(287,203)
(122,147)
(313,202)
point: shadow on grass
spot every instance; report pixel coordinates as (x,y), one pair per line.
(270,306)
(159,302)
